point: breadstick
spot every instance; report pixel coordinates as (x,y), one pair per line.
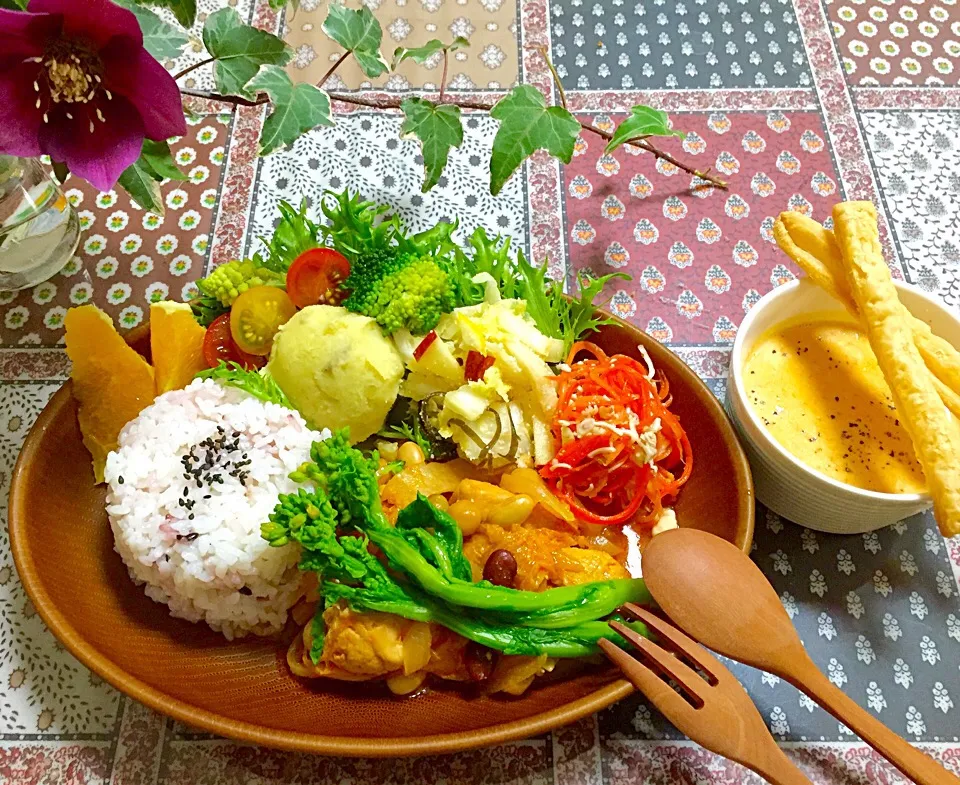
(935,436)
(816,252)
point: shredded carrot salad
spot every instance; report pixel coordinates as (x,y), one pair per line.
(618,446)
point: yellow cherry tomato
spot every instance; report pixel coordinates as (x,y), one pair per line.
(256,316)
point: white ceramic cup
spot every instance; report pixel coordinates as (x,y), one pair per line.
(783,483)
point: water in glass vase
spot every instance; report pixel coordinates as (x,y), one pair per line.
(39,229)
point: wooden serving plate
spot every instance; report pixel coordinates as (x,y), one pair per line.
(63,549)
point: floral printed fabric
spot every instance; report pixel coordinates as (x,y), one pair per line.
(880,613)
(128,258)
(690,44)
(898,42)
(489,62)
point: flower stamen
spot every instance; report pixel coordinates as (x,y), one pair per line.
(73,74)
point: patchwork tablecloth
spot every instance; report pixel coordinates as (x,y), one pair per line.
(799,104)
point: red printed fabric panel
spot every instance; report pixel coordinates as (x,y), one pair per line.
(128,258)
(699,256)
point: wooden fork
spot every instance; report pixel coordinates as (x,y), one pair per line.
(714,710)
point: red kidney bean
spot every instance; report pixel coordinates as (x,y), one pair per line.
(479,661)
(500,568)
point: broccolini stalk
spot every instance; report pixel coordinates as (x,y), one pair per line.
(577,641)
(351,573)
(349,481)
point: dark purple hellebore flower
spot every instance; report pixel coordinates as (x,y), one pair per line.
(76,84)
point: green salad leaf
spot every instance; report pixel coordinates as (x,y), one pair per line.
(295,233)
(556,315)
(259,384)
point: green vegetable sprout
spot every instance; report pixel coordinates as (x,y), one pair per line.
(425,575)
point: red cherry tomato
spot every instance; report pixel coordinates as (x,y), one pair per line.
(315,277)
(218,346)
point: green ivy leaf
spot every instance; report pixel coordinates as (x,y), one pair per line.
(138,181)
(358,32)
(420,54)
(185,11)
(296,108)
(157,159)
(162,40)
(277,5)
(438,128)
(527,124)
(643,121)
(240,50)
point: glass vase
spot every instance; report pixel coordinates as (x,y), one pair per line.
(39,229)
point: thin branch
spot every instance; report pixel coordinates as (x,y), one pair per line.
(227,99)
(394,103)
(334,67)
(556,77)
(643,144)
(193,67)
(443,76)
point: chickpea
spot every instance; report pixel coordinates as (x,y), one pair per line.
(404,685)
(439,501)
(501,568)
(410,453)
(467,514)
(514,512)
(483,493)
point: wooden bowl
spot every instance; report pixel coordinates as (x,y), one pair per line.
(63,550)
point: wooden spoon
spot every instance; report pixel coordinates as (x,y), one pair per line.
(715,593)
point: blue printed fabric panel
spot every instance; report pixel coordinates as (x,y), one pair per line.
(662,44)
(879,614)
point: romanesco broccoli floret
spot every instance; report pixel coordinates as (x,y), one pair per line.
(400,291)
(232,279)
